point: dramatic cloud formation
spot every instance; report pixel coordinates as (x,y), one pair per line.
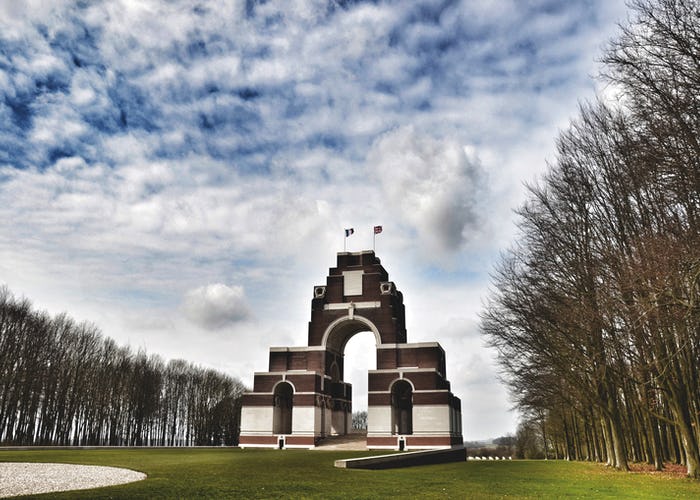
(431,185)
(215,306)
(152,150)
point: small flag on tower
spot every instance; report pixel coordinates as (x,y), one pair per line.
(377,230)
(348,232)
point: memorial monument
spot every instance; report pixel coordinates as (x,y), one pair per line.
(303,398)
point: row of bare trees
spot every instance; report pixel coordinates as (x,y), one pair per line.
(63,383)
(595,310)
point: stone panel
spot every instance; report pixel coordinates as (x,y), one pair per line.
(378,419)
(339,425)
(431,419)
(258,419)
(352,284)
(303,419)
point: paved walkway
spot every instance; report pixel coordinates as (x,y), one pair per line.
(356,442)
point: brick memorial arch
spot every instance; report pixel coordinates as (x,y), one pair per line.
(303,399)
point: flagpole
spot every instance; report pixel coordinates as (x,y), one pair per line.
(348,232)
(377,230)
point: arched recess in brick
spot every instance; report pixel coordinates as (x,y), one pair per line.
(283,407)
(401,408)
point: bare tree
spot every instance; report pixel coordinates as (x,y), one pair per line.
(63,383)
(595,310)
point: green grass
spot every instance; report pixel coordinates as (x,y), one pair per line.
(234,473)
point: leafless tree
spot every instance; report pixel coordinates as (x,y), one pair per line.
(64,383)
(595,310)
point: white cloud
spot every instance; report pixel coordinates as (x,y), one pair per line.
(148,148)
(432,185)
(216,306)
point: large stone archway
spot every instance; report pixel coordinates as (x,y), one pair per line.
(343,329)
(409,400)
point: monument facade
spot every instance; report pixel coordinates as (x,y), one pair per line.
(303,398)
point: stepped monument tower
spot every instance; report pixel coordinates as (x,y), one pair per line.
(303,398)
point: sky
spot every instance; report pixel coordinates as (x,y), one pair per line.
(181,172)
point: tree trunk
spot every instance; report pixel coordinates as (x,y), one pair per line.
(687,435)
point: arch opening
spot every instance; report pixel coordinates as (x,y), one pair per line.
(359,356)
(351,343)
(343,329)
(283,406)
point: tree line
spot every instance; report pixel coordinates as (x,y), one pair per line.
(359,420)
(500,447)
(63,383)
(595,309)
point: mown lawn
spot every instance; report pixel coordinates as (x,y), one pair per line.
(234,473)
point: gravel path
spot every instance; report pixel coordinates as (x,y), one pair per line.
(31,478)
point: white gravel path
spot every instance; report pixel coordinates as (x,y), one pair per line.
(31,478)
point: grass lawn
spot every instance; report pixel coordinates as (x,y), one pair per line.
(234,473)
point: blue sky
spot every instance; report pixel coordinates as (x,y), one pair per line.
(181,172)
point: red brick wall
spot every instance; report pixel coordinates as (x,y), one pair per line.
(264,382)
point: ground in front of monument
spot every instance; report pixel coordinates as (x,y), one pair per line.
(265,473)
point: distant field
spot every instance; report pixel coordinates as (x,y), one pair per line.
(234,473)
